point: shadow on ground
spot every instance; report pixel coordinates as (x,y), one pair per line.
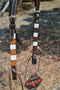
(49,33)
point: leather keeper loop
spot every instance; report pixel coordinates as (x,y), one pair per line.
(12,25)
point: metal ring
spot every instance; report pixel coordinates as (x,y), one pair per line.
(36,10)
(12,16)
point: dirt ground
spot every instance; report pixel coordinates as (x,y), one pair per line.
(48,60)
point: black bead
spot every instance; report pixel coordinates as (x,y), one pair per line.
(34,60)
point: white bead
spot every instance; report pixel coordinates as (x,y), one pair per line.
(13,46)
(35,34)
(36,25)
(35,43)
(13,57)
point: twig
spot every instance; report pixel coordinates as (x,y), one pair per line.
(27,67)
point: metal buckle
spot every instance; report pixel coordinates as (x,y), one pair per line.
(12,16)
(36,10)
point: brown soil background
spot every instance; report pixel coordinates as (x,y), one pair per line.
(49,46)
